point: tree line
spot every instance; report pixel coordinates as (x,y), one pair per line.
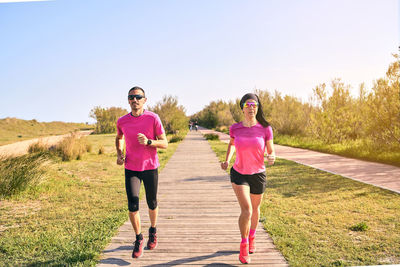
(332,115)
(172,115)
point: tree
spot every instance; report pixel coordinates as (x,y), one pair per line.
(172,115)
(106,118)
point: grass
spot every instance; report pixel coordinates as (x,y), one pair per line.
(319,219)
(14,130)
(70,217)
(359,149)
(17,174)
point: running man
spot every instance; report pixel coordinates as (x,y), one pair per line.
(144,133)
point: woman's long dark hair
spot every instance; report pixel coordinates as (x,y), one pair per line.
(260,114)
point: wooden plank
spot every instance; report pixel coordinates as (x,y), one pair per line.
(198,214)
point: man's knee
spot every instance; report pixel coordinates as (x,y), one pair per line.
(152,204)
(133,204)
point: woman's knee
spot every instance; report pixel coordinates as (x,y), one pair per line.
(246,213)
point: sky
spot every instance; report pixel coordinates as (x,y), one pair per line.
(59,59)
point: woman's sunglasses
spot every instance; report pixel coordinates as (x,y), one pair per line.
(138,97)
(251,104)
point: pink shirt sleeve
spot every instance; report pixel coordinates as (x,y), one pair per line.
(268,134)
(119,131)
(158,128)
(231,132)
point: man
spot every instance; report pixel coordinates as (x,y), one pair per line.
(144,133)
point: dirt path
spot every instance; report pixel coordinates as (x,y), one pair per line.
(21,148)
(198,216)
(377,174)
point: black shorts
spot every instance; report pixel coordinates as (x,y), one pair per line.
(257,182)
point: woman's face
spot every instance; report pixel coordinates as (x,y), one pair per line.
(250,108)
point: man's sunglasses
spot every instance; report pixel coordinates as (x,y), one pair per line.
(251,104)
(138,97)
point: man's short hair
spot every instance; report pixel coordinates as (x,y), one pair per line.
(137,88)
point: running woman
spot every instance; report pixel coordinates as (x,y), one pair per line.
(144,133)
(250,138)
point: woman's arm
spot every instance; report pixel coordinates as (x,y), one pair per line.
(271,152)
(229,154)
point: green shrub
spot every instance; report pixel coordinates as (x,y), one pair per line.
(360,227)
(175,138)
(211,136)
(18,173)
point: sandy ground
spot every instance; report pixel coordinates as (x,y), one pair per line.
(21,148)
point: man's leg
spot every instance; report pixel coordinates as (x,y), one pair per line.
(132,186)
(150,181)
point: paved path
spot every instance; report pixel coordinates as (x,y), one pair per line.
(21,147)
(197,219)
(377,174)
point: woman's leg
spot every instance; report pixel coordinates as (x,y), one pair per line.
(243,195)
(255,203)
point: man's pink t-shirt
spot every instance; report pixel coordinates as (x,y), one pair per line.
(250,147)
(140,157)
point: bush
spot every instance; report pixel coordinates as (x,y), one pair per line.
(175,138)
(211,136)
(72,147)
(17,174)
(360,227)
(38,147)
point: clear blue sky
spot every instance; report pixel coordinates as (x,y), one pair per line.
(59,59)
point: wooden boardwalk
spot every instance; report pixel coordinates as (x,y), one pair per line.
(198,216)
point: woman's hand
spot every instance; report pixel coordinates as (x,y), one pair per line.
(224,165)
(271,159)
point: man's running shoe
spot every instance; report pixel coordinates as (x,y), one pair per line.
(137,248)
(152,243)
(252,245)
(244,253)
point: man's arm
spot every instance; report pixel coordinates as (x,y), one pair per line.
(120,154)
(161,141)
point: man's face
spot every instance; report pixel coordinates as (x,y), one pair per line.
(136,99)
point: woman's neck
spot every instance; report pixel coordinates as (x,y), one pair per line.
(249,122)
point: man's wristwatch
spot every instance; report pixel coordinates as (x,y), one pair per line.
(149,142)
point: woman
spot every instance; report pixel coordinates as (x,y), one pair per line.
(250,138)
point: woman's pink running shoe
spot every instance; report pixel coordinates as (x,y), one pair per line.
(244,253)
(252,247)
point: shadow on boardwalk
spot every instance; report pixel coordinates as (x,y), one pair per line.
(198,215)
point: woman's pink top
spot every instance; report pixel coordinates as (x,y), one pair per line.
(140,157)
(250,147)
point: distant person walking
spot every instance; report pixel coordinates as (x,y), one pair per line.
(143,133)
(250,138)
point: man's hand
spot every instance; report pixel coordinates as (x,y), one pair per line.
(224,165)
(142,139)
(120,159)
